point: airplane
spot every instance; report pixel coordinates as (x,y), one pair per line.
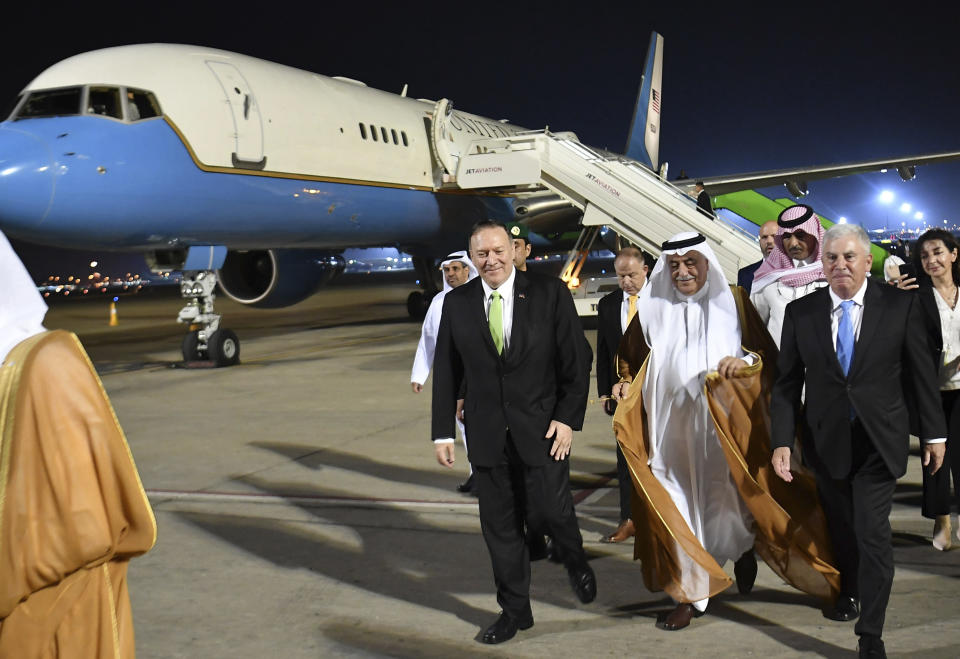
(256,175)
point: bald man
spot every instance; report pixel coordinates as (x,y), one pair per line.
(768,231)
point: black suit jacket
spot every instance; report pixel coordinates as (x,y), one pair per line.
(542,375)
(704,205)
(608,340)
(892,350)
(745,275)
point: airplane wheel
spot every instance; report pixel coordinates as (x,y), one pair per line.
(190,347)
(224,348)
(417,304)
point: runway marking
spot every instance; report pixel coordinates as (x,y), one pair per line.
(159,496)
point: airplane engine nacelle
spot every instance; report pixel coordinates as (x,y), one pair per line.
(907,172)
(797,188)
(276,278)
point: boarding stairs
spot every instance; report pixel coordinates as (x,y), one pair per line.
(612,191)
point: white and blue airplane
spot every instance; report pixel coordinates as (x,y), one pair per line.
(258,175)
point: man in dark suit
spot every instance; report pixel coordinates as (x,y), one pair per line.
(766,236)
(703,201)
(516,339)
(614,312)
(850,344)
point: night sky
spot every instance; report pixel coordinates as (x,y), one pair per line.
(742,91)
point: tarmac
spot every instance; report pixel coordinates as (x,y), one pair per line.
(301,512)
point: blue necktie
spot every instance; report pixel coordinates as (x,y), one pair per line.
(845,338)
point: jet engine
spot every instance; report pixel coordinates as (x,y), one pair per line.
(797,188)
(276,277)
(907,172)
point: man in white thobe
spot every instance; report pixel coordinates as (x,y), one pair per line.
(690,324)
(457,269)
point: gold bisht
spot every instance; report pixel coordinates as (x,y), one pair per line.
(791,531)
(72,508)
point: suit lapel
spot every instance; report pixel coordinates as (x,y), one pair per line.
(872,311)
(822,328)
(520,305)
(479,312)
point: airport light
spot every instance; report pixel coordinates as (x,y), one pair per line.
(905,207)
(886,197)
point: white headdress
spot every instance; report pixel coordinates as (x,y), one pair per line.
(21,307)
(708,317)
(464,259)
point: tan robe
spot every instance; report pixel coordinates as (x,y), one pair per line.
(72,509)
(791,532)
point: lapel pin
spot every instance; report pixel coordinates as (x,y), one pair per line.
(522,296)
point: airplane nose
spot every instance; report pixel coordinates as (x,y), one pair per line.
(26,180)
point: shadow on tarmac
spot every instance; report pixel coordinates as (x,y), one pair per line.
(402,555)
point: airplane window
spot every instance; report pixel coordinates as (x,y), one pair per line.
(373,132)
(403,135)
(394,134)
(104,101)
(141,105)
(383,131)
(51,103)
(363,131)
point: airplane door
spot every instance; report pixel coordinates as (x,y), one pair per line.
(248,127)
(445,150)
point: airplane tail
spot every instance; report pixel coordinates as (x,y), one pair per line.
(643,142)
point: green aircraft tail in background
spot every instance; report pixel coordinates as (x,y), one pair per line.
(758,209)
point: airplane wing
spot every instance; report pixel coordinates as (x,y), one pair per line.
(795,179)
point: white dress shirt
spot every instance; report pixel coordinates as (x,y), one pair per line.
(625,309)
(856,314)
(506,303)
(950,329)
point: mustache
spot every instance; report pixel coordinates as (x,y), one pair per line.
(684,278)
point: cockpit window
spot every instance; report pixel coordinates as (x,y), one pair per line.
(10,107)
(104,101)
(52,103)
(141,105)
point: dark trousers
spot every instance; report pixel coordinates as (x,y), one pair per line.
(936,488)
(857,509)
(510,493)
(626,485)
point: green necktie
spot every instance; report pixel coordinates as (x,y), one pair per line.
(495,321)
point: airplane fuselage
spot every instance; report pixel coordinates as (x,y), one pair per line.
(241,152)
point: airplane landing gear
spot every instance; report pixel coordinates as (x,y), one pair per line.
(205,340)
(419,301)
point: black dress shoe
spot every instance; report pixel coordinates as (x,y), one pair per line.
(745,570)
(554,553)
(871,647)
(504,629)
(584,582)
(466,487)
(845,608)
